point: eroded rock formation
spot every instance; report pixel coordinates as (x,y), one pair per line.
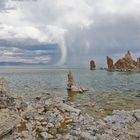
(92,65)
(110,64)
(127,63)
(128,57)
(138,62)
(71,80)
(72,85)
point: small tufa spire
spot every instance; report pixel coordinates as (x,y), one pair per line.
(72,85)
(110,64)
(92,65)
(71,80)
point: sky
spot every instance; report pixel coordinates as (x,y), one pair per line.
(68,32)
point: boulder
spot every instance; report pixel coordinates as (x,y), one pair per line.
(92,65)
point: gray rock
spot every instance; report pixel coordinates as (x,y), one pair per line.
(7,102)
(68,137)
(136,114)
(64,107)
(46,135)
(8,124)
(62,121)
(87,136)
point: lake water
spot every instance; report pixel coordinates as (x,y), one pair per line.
(117,90)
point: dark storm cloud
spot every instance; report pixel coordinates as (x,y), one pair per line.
(30,49)
(27,44)
(71,32)
(4,7)
(108,37)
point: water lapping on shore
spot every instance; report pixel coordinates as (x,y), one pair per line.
(52,117)
(39,106)
(107,90)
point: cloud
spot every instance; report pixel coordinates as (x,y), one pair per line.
(76,30)
(28,56)
(104,39)
(6,5)
(25,32)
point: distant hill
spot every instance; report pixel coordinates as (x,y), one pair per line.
(18,63)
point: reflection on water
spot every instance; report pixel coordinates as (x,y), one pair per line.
(71,95)
(29,80)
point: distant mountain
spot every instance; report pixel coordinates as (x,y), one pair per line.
(18,64)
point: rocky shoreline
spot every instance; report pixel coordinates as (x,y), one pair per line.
(49,117)
(52,117)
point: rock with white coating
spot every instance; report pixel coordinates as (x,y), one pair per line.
(46,135)
(72,85)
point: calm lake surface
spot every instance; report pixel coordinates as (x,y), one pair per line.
(114,90)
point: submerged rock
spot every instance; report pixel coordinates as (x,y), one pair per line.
(138,95)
